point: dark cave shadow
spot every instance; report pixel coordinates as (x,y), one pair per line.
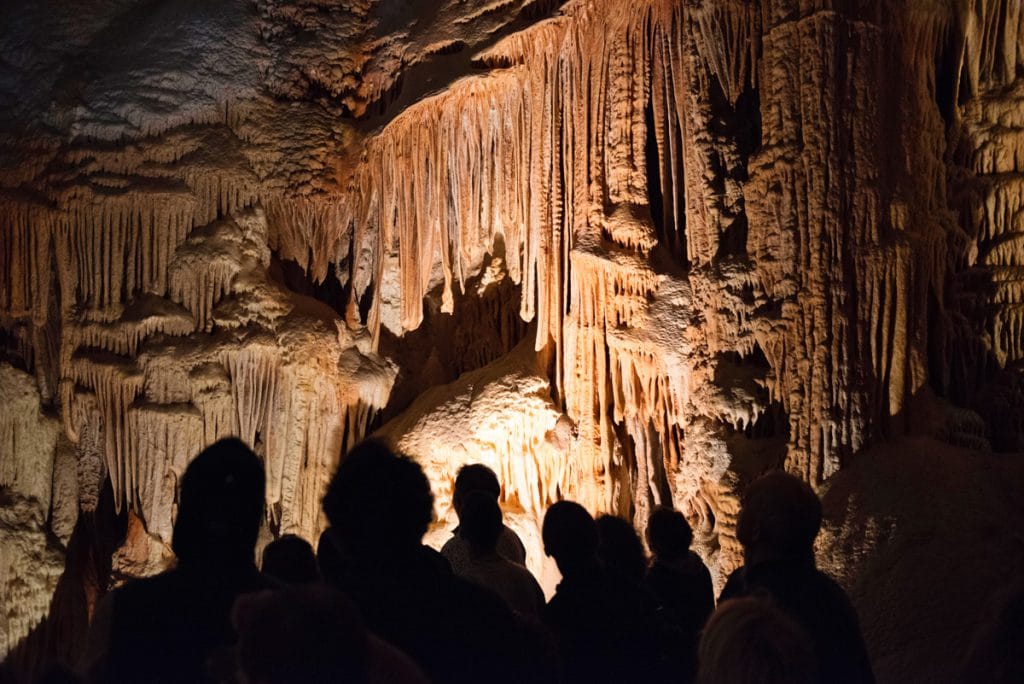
(925,536)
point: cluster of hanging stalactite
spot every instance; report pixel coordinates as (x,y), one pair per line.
(728,261)
(133,358)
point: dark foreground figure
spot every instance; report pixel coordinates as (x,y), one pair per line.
(311,633)
(379,505)
(389,609)
(290,560)
(605,630)
(476,478)
(481,529)
(753,641)
(778,522)
(680,583)
(176,626)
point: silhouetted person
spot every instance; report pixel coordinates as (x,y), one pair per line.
(620,549)
(481,528)
(176,626)
(997,653)
(477,477)
(778,522)
(751,641)
(679,582)
(330,559)
(379,505)
(605,632)
(311,633)
(290,560)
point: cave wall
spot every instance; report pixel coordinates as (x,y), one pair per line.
(626,253)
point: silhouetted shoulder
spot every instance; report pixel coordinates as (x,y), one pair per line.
(456,552)
(510,546)
(734,587)
(820,606)
(174,626)
(511,581)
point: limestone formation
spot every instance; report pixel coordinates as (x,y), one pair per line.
(32,494)
(630,253)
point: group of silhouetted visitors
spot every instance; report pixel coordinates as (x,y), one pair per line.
(374,604)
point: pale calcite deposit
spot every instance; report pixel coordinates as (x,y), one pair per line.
(501,415)
(31,482)
(632,253)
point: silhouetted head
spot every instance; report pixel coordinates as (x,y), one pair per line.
(329,556)
(475,477)
(780,518)
(621,550)
(480,523)
(220,505)
(310,633)
(290,559)
(570,535)
(750,641)
(378,500)
(668,534)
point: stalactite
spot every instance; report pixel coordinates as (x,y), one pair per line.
(301,456)
(991,153)
(300,417)
(210,390)
(572,129)
(803,267)
(693,147)
(993,43)
(413,193)
(26,231)
(117,381)
(203,268)
(730,29)
(312,232)
(988,161)
(254,375)
(291,380)
(110,249)
(610,292)
(115,227)
(161,440)
(823,358)
(145,316)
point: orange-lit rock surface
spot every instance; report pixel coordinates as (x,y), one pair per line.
(630,253)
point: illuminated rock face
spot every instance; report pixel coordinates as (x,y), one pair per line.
(34,483)
(626,253)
